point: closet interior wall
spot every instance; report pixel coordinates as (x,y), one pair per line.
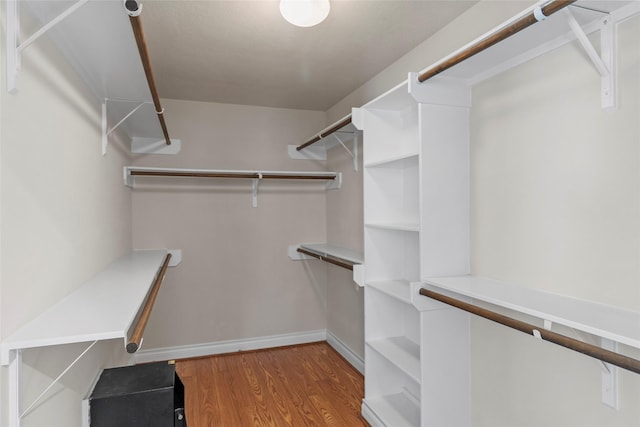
(236,282)
(64,216)
(555,184)
(345,300)
(466,27)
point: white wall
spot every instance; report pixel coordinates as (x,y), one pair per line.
(555,206)
(345,227)
(64,216)
(236,281)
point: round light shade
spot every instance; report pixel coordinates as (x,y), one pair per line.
(305,13)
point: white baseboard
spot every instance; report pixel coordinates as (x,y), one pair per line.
(370,415)
(355,360)
(220,347)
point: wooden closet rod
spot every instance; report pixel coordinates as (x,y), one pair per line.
(252,175)
(133,9)
(330,260)
(133,344)
(519,25)
(614,358)
(328,131)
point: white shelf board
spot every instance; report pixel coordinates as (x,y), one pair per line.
(394,226)
(395,410)
(325,249)
(98,42)
(102,308)
(398,289)
(400,162)
(617,324)
(402,352)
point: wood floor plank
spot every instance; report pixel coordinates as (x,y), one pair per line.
(306,385)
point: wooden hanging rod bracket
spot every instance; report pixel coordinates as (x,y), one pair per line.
(608,356)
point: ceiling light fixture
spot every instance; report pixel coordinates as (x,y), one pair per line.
(304,13)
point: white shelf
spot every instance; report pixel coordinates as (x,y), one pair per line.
(98,42)
(605,321)
(412,227)
(533,41)
(398,289)
(333,251)
(101,309)
(395,410)
(402,161)
(402,352)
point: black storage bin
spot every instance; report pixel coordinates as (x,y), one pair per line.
(147,395)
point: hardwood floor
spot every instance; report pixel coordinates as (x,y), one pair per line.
(305,385)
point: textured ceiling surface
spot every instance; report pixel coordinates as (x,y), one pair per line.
(244,52)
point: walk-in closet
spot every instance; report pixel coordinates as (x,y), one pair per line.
(389,213)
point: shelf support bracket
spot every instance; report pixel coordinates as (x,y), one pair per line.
(603,62)
(105,130)
(14,48)
(15,366)
(354,154)
(254,185)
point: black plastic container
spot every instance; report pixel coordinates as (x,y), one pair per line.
(146,395)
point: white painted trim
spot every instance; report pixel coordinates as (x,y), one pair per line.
(351,357)
(230,346)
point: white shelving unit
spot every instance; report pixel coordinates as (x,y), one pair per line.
(392,229)
(101,309)
(411,150)
(417,228)
(96,38)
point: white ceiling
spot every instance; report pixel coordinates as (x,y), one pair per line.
(244,52)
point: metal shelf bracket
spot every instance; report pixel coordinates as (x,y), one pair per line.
(105,126)
(15,48)
(603,62)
